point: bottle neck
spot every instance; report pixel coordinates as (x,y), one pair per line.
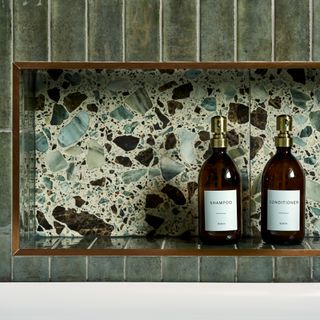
(283,150)
(219,151)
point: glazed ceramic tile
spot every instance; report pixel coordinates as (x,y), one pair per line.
(118,152)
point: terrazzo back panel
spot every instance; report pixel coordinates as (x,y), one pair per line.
(118,152)
(295,92)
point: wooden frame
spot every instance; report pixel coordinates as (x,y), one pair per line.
(18,67)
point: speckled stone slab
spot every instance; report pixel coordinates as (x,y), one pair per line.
(118,152)
(295,92)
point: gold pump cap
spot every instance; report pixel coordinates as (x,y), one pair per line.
(219,130)
(284,125)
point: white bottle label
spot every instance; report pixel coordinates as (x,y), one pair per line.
(283,210)
(220,210)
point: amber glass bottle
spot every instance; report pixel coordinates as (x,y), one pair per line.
(219,192)
(283,192)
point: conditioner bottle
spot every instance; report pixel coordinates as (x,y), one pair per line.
(283,192)
(219,192)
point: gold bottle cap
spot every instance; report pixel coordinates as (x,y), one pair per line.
(284,125)
(219,130)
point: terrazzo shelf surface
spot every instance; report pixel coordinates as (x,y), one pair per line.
(118,152)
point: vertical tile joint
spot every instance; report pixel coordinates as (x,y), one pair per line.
(12,35)
(236,273)
(235,30)
(162,260)
(199,265)
(123,30)
(310,30)
(125,268)
(273,24)
(198,26)
(274,267)
(49,31)
(86,31)
(87,268)
(12,267)
(49,268)
(160,30)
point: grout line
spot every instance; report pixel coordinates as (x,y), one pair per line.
(86,36)
(123,30)
(49,32)
(162,260)
(235,30)
(125,262)
(311,30)
(12,35)
(49,268)
(199,264)
(87,268)
(273,269)
(12,267)
(273,28)
(5,130)
(160,30)
(125,268)
(198,17)
(237,269)
(311,269)
(92,243)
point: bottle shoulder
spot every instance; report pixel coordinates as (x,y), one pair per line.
(283,166)
(219,166)
(279,161)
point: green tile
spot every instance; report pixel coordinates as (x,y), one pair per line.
(177,269)
(316,268)
(217,269)
(68,269)
(143,269)
(217,30)
(142,30)
(179,30)
(292,269)
(106,269)
(30,30)
(5,64)
(252,243)
(5,255)
(254,30)
(316,30)
(68,30)
(175,243)
(31,269)
(5,178)
(105,30)
(255,269)
(291,30)
(142,242)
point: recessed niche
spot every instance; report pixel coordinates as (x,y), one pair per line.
(110,152)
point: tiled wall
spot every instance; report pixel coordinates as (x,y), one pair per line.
(163,30)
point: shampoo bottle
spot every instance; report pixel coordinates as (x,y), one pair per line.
(219,192)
